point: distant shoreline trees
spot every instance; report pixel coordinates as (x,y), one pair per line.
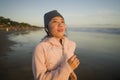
(7,24)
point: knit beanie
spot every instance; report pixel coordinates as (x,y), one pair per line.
(49,15)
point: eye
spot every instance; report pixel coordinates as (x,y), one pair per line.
(54,21)
(62,21)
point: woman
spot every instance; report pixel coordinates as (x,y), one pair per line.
(54,57)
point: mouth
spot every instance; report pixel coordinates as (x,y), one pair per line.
(60,30)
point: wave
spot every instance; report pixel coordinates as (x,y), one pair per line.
(96,30)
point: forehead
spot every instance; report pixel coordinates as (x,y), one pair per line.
(57,18)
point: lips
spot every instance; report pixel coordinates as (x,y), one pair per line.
(60,30)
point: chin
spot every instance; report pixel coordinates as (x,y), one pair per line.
(60,36)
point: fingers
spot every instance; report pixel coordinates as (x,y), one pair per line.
(74,62)
(73,57)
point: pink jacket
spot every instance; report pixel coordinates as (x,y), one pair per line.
(49,60)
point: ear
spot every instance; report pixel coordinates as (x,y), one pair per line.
(46,29)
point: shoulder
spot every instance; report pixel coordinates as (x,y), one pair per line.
(40,48)
(42,44)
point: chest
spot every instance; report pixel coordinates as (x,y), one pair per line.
(54,57)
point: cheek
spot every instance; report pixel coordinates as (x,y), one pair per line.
(52,29)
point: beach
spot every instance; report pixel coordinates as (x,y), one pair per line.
(98,54)
(5,42)
(4,48)
(12,70)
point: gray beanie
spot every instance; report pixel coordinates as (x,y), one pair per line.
(49,15)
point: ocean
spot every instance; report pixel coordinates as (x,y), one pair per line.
(97,48)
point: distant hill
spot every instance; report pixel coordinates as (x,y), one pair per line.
(8,24)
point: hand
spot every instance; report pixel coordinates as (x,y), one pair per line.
(73,76)
(73,62)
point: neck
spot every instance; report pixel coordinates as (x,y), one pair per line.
(59,39)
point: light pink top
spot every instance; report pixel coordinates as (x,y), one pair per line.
(49,60)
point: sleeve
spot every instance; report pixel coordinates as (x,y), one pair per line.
(69,49)
(40,71)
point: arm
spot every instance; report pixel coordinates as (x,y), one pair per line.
(40,71)
(73,62)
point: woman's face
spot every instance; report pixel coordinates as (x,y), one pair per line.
(57,27)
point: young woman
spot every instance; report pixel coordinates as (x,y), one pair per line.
(54,57)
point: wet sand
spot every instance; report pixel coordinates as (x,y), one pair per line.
(16,64)
(12,70)
(5,43)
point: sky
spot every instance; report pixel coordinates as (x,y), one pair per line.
(77,13)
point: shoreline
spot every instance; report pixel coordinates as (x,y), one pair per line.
(95,65)
(12,70)
(5,43)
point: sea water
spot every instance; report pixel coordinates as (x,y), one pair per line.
(97,49)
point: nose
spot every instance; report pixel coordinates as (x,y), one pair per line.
(61,24)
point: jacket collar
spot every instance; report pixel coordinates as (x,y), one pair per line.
(53,41)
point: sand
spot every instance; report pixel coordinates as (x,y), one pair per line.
(11,71)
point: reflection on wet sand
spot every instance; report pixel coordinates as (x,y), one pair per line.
(98,53)
(14,64)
